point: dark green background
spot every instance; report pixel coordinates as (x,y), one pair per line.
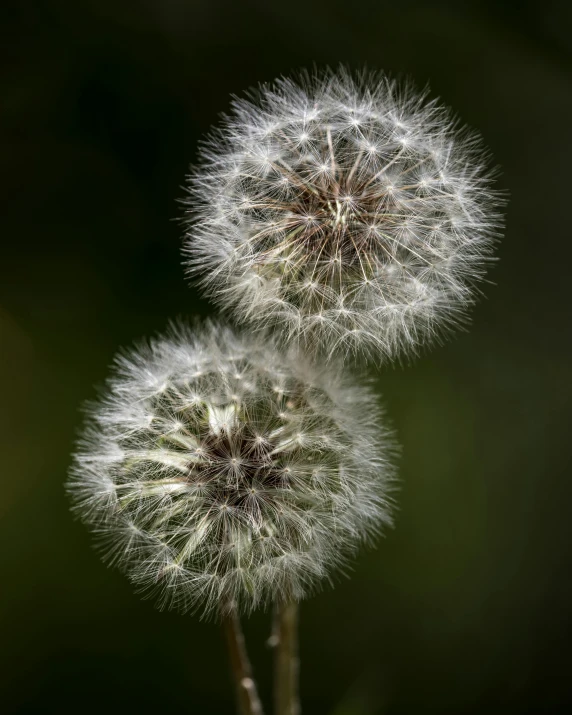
(464,608)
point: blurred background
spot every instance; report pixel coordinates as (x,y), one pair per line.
(465,606)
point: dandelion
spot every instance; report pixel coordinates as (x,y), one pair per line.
(217,470)
(350,213)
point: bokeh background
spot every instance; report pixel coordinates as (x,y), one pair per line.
(465,607)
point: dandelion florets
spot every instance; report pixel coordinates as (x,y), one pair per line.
(216,469)
(348,212)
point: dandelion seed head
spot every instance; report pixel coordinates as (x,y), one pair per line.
(256,477)
(339,188)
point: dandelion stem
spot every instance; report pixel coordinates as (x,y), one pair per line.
(285,641)
(246,691)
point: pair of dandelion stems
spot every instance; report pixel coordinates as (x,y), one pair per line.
(284,640)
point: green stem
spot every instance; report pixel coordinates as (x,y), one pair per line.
(246,691)
(285,640)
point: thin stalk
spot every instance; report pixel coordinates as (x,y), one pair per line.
(286,665)
(246,691)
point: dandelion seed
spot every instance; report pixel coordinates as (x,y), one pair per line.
(341,189)
(216,500)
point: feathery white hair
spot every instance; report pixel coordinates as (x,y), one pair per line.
(217,469)
(348,212)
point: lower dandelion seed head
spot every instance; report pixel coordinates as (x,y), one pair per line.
(255,478)
(357,187)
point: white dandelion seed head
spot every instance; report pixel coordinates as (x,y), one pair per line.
(217,468)
(350,213)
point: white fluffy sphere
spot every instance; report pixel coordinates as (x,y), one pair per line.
(350,213)
(217,469)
